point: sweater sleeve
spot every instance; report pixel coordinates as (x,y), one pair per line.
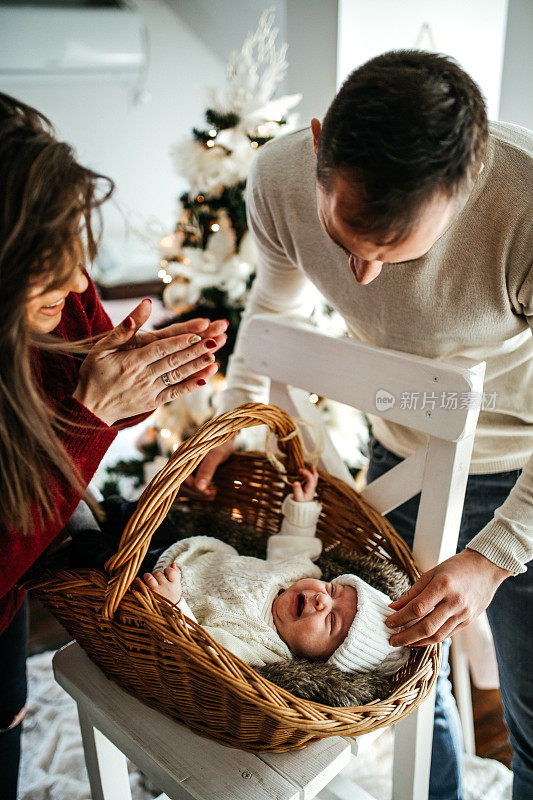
(507,540)
(86,448)
(297,533)
(280,287)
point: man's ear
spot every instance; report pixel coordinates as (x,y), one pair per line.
(316,127)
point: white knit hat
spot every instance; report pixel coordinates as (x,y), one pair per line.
(367,645)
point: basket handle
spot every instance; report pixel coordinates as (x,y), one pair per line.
(157,498)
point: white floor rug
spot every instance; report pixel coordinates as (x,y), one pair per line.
(53,767)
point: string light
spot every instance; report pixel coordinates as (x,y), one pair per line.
(313,398)
(175,447)
(215,226)
(161,273)
(212,133)
(200,198)
(253,144)
(167,278)
(165,433)
(164,262)
(210,143)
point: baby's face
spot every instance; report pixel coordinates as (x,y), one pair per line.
(313,617)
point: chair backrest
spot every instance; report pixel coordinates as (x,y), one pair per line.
(439,399)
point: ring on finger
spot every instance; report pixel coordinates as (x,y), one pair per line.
(166,379)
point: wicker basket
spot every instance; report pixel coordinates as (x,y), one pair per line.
(150,649)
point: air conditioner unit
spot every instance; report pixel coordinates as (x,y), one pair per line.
(50,41)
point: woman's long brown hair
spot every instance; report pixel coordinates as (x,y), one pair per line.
(45,197)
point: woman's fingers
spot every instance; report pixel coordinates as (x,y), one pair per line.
(182,364)
(197,325)
(185,386)
(123,333)
(165,355)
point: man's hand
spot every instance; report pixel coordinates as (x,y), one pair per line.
(305,490)
(445,599)
(167,583)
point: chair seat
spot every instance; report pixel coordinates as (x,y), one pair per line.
(178,761)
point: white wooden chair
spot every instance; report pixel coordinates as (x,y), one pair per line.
(300,360)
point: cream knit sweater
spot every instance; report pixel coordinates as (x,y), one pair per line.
(470,296)
(231,596)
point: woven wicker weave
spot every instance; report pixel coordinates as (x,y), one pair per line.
(150,649)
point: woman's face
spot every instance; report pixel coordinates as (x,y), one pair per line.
(44,306)
(313,617)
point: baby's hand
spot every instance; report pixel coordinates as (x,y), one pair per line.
(167,583)
(305,490)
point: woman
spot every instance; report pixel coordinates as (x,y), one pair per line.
(68,380)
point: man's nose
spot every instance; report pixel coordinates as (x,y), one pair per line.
(365,271)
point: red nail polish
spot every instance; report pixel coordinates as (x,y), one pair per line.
(210,343)
(201,382)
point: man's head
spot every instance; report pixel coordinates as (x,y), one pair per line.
(397,154)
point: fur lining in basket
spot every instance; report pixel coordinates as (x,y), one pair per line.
(310,680)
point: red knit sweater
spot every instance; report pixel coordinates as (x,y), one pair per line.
(83,316)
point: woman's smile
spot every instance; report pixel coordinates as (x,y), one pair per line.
(54,308)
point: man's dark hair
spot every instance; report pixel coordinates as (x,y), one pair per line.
(404,126)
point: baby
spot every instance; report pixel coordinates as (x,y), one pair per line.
(266,611)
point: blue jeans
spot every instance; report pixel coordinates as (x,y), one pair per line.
(511,619)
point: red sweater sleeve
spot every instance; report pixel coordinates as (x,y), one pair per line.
(19,552)
(83,316)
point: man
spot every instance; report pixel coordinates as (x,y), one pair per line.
(414,221)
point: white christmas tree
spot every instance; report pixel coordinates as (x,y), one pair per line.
(211,247)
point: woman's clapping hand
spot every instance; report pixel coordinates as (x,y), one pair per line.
(130,372)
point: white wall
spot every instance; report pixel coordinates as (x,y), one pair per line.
(473,32)
(516,102)
(131,144)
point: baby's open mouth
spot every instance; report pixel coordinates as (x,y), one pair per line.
(300,605)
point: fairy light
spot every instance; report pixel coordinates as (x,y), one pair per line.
(237,483)
(165,433)
(215,226)
(200,198)
(210,143)
(167,278)
(167,241)
(212,133)
(175,447)
(255,145)
(161,273)
(313,398)
(164,262)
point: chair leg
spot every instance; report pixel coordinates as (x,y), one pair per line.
(463,691)
(413,738)
(107,766)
